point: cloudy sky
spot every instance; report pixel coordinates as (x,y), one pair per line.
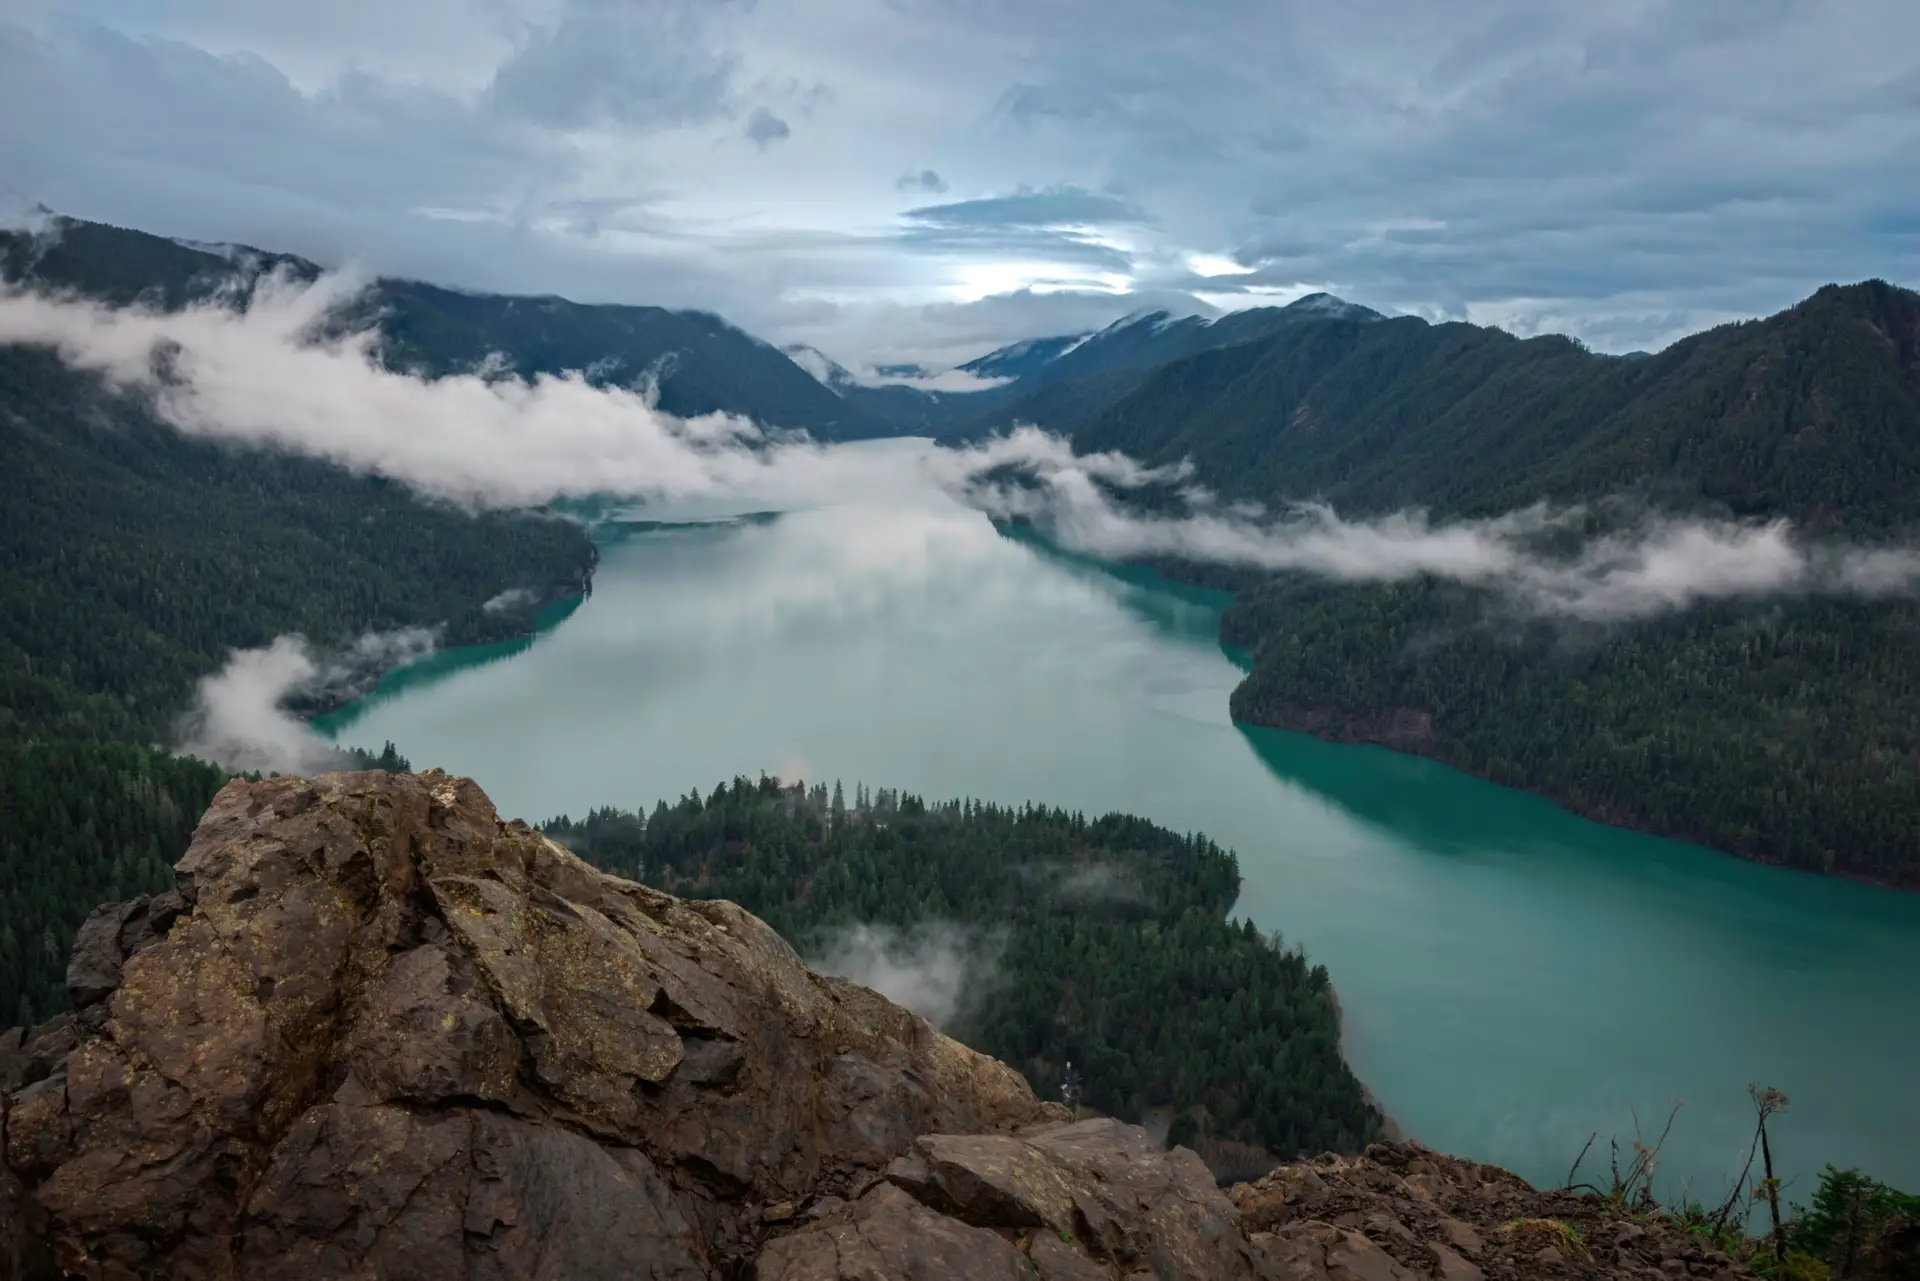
(925,179)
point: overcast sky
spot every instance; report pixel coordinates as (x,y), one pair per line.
(926,179)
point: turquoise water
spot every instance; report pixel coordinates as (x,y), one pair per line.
(1514,977)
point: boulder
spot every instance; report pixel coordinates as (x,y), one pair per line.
(1103,1185)
(381,1032)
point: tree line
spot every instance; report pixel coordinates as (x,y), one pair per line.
(1789,737)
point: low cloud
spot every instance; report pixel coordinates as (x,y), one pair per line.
(272,370)
(1655,565)
(511,599)
(29,216)
(764,128)
(241,718)
(926,180)
(944,380)
(1099,883)
(929,968)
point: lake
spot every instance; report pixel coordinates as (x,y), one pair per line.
(1514,978)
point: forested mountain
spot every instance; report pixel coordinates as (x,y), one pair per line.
(1788,734)
(700,362)
(1787,731)
(132,558)
(1063,384)
(1813,413)
(1104,942)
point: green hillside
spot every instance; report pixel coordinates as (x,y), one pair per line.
(1784,731)
(132,559)
(1813,413)
(700,363)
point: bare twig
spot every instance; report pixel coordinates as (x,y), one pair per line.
(1767,1101)
(1724,1214)
(1577,1160)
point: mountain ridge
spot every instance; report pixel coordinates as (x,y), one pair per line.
(699,362)
(1472,420)
(1781,731)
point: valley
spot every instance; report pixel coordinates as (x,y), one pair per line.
(880,589)
(1513,977)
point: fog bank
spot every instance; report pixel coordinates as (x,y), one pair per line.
(239,719)
(271,370)
(928,968)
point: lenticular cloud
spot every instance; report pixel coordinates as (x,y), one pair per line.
(273,370)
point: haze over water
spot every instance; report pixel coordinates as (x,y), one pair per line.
(1513,977)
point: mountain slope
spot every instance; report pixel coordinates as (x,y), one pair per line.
(701,363)
(1813,413)
(132,561)
(906,410)
(1067,383)
(132,558)
(1024,358)
(1783,731)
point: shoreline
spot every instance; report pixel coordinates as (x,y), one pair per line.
(1233,582)
(1589,813)
(1391,1131)
(331,701)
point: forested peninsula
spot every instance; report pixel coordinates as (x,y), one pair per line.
(1785,730)
(1105,943)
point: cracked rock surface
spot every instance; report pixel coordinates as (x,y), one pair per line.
(379,1032)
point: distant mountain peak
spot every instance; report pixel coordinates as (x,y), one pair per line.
(827,371)
(1326,304)
(1017,360)
(1140,317)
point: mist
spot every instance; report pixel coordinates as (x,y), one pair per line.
(1657,564)
(240,719)
(272,370)
(930,968)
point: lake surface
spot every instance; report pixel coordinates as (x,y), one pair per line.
(1514,977)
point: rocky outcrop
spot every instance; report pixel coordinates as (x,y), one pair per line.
(378,1032)
(1404,1213)
(1066,1202)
